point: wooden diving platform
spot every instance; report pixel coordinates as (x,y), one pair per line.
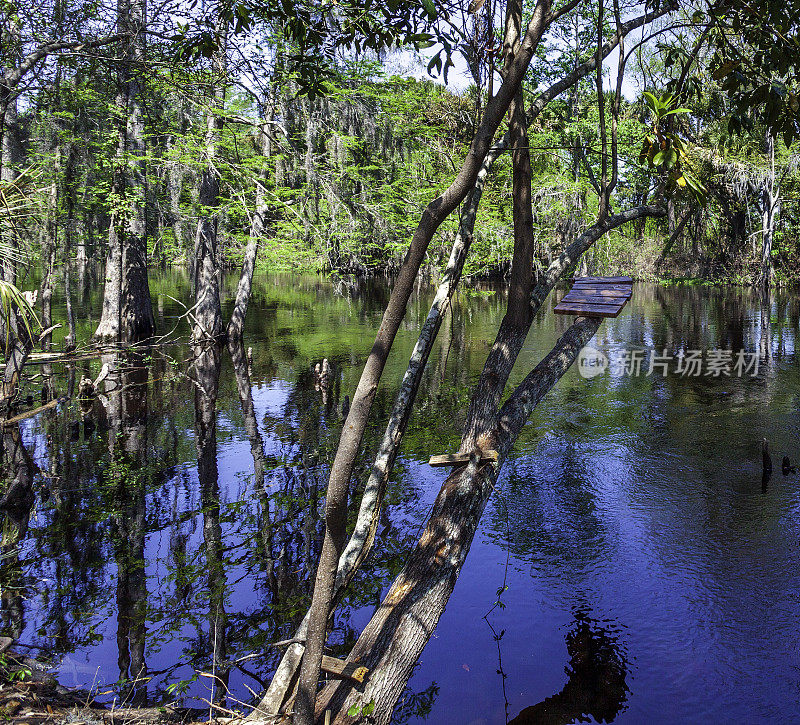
(596,297)
(461,459)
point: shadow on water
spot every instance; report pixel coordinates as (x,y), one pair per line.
(596,686)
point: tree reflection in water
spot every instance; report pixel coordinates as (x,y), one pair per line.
(596,686)
(126,412)
(176,527)
(15,505)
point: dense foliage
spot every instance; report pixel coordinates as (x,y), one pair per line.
(343,171)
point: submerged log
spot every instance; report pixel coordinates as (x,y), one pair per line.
(766,459)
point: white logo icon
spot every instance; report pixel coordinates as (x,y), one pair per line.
(591,362)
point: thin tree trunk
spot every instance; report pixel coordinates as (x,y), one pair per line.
(398,632)
(353,429)
(674,236)
(49,256)
(244,289)
(770,200)
(176,172)
(10,137)
(72,338)
(208,309)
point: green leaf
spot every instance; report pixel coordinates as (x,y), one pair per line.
(369,708)
(723,70)
(354,710)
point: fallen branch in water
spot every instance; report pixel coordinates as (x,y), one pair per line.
(34,411)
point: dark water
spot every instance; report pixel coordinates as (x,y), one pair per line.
(651,576)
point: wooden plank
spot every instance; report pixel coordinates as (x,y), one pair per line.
(587,310)
(459,459)
(594,299)
(601,292)
(597,285)
(610,280)
(611,295)
(346,670)
(610,291)
(599,299)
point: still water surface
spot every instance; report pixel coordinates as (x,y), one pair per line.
(652,577)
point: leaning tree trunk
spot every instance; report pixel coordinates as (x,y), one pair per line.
(127,311)
(396,635)
(361,540)
(244,289)
(353,429)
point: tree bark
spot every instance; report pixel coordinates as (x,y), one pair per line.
(127,310)
(485,401)
(10,135)
(257,226)
(208,322)
(353,429)
(770,204)
(398,632)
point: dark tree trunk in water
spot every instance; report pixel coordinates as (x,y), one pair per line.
(127,446)
(208,322)
(16,343)
(16,471)
(205,371)
(127,311)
